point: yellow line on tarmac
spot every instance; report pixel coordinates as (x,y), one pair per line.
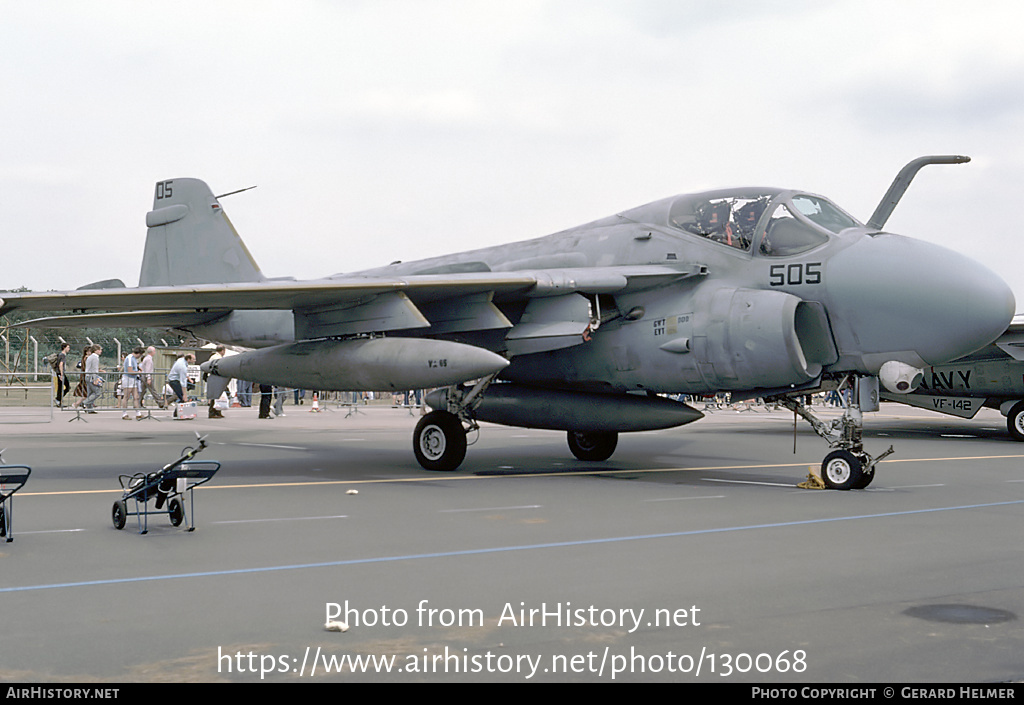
(968,457)
(433,478)
(444,477)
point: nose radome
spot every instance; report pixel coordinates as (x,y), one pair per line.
(987,309)
(905,297)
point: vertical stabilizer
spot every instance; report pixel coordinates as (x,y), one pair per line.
(191,241)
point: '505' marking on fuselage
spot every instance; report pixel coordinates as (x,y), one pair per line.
(794,274)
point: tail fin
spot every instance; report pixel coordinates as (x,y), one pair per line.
(191,241)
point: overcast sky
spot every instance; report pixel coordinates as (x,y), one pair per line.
(379,130)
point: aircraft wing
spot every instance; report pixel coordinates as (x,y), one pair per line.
(255,295)
(173,318)
(356,304)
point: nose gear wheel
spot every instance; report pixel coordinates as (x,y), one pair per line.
(848,466)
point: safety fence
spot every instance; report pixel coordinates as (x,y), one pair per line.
(111,393)
(27,397)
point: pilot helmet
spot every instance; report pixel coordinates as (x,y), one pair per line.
(748,215)
(713,217)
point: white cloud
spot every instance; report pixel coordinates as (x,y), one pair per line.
(408,128)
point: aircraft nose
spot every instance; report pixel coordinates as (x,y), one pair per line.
(907,298)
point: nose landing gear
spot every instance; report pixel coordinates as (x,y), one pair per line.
(848,466)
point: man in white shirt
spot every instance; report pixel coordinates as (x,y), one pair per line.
(216,413)
(146,369)
(178,376)
(92,379)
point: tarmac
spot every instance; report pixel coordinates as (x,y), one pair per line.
(689,556)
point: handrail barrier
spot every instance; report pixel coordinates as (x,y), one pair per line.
(26,397)
(30,397)
(111,394)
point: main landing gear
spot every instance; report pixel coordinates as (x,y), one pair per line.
(595,446)
(848,466)
(440,439)
(439,442)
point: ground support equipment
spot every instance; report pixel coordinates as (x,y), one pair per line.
(168,487)
(12,479)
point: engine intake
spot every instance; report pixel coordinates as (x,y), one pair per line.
(761,339)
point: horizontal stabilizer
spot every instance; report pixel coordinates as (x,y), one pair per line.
(104,284)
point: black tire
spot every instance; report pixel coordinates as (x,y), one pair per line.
(3,522)
(594,445)
(866,478)
(119,514)
(841,470)
(176,511)
(439,441)
(1015,421)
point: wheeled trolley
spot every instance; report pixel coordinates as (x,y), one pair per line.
(169,488)
(12,479)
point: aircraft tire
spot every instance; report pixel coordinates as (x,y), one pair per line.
(3,522)
(439,441)
(176,512)
(593,446)
(841,470)
(1015,421)
(866,478)
(119,514)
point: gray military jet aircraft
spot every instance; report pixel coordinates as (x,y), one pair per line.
(992,377)
(762,292)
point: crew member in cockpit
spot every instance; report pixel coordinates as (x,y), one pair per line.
(713,221)
(746,221)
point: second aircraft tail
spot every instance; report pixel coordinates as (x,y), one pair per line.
(191,241)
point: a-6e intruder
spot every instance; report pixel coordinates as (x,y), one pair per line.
(761,292)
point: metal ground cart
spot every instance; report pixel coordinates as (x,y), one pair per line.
(12,479)
(169,488)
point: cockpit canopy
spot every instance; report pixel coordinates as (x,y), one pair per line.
(781,223)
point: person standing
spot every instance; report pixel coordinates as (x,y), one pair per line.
(93,380)
(82,389)
(218,354)
(130,382)
(265,391)
(177,378)
(244,393)
(60,368)
(146,368)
